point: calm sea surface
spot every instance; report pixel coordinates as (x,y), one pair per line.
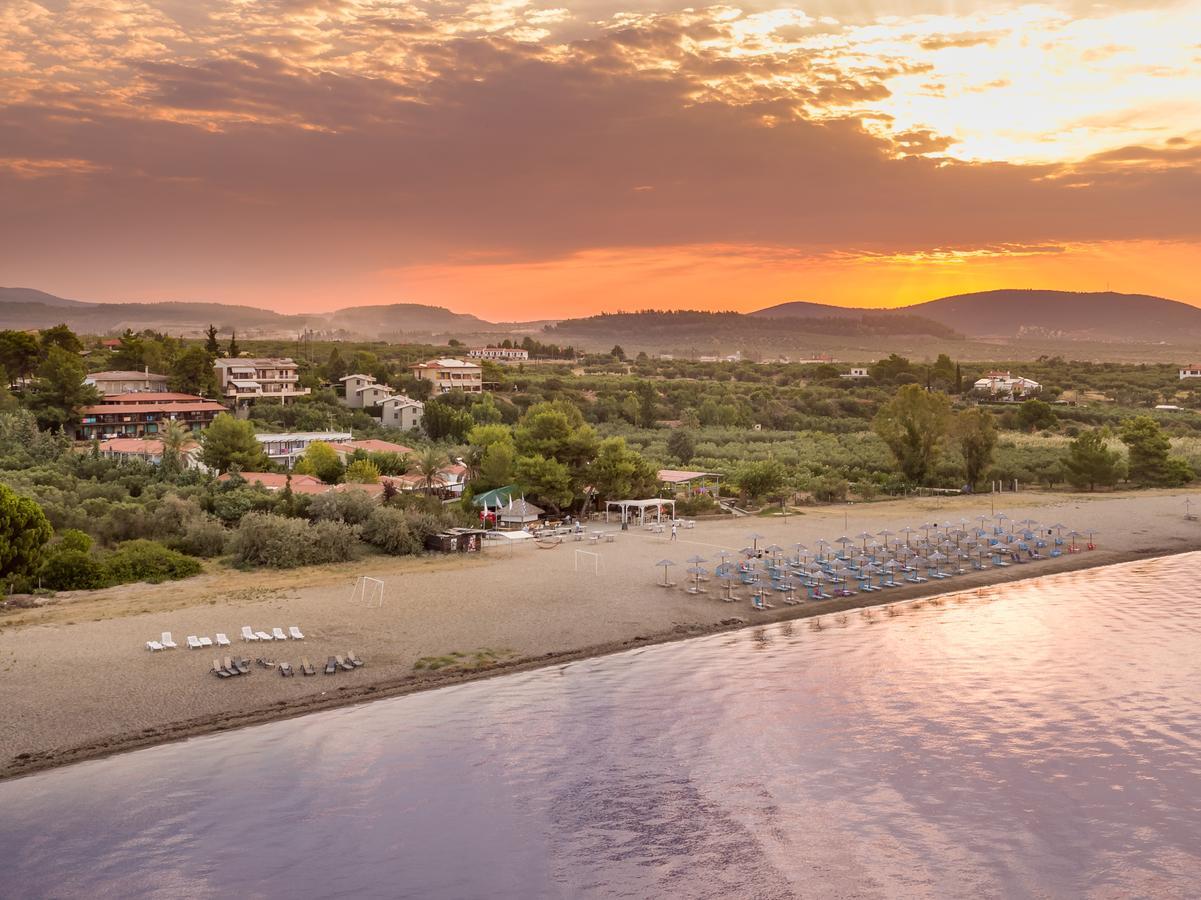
(1040,739)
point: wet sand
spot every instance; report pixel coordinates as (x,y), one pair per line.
(76,681)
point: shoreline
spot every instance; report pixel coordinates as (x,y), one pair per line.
(387,686)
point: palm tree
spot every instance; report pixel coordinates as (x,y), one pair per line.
(428,464)
(173,437)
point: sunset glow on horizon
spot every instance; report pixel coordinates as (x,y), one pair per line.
(523,160)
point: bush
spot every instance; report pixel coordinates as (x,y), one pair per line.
(72,569)
(143,560)
(353,506)
(206,537)
(74,539)
(829,489)
(388,529)
(264,539)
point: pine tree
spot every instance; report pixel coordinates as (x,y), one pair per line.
(210,344)
(234,351)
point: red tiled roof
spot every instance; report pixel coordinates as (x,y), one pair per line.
(125,408)
(149,397)
(275,481)
(372,446)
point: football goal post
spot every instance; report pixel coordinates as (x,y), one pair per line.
(586,559)
(368,591)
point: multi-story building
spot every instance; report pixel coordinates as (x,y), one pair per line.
(364,392)
(124,382)
(288,447)
(138,415)
(499,354)
(1006,386)
(450,374)
(243,380)
(402,412)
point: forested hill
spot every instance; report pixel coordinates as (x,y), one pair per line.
(691,325)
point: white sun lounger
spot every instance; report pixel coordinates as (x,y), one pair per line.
(194,642)
(206,642)
(166,641)
(222,640)
(262,635)
(153,645)
(248,635)
(278,634)
(295,632)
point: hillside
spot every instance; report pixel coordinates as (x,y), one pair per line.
(1104,316)
(803,309)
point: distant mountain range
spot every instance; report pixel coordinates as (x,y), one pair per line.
(1100,316)
(1004,314)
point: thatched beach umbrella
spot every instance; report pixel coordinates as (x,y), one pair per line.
(886,534)
(665,563)
(755,537)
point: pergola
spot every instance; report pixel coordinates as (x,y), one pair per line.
(641,506)
(689,480)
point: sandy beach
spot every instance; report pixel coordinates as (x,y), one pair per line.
(76,681)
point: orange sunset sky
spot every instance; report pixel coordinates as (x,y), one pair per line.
(523,160)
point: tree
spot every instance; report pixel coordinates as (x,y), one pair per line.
(761,478)
(321,460)
(617,352)
(496,466)
(1035,415)
(913,424)
(192,373)
(211,347)
(890,369)
(975,431)
(557,431)
(429,464)
(1147,450)
(681,445)
(24,532)
(59,391)
(547,481)
(229,442)
(648,397)
(943,372)
(442,421)
(621,473)
(19,354)
(362,471)
(234,350)
(174,436)
(1090,463)
(61,336)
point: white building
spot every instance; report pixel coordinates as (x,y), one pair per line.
(855,373)
(1192,370)
(364,392)
(402,412)
(126,382)
(1006,385)
(250,379)
(451,374)
(500,354)
(288,447)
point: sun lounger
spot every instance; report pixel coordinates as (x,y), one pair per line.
(306,667)
(262,635)
(230,667)
(166,641)
(248,635)
(285,669)
(278,634)
(206,642)
(242,665)
(295,632)
(331,666)
(265,663)
(222,640)
(218,671)
(353,660)
(344,664)
(153,645)
(194,642)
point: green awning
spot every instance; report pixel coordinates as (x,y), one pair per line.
(496,497)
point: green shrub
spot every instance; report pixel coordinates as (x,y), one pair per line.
(72,569)
(144,560)
(205,537)
(74,539)
(388,529)
(264,539)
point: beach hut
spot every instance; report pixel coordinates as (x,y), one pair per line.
(518,513)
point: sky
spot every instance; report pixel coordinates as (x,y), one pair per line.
(526,160)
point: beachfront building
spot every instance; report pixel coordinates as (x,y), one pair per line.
(402,412)
(499,354)
(347,449)
(289,446)
(120,382)
(1006,386)
(449,374)
(857,372)
(690,483)
(271,378)
(136,415)
(1192,370)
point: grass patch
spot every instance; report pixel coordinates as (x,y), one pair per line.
(483,658)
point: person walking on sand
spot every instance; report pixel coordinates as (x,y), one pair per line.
(674,527)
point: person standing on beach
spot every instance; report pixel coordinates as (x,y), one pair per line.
(674,527)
